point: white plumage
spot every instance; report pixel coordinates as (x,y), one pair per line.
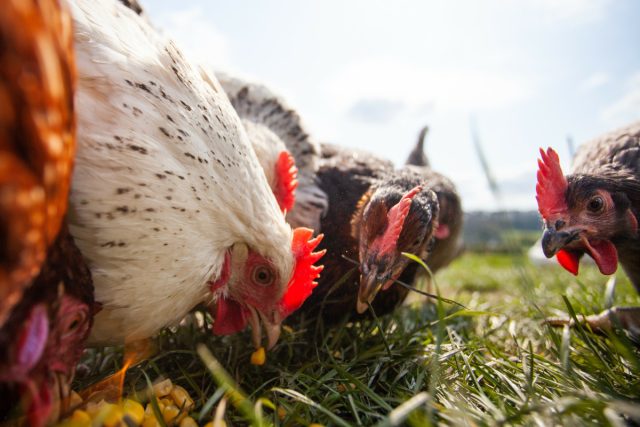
(165,180)
(273,126)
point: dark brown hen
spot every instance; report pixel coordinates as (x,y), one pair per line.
(375,214)
(448,236)
(595,209)
(45,287)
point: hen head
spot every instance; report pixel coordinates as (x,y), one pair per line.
(253,290)
(391,220)
(41,359)
(582,214)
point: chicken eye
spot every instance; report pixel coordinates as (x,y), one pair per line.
(73,323)
(595,205)
(263,276)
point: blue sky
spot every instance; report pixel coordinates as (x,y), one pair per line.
(369,74)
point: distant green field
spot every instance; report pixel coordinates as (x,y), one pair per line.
(493,363)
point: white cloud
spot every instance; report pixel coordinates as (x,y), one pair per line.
(595,81)
(417,88)
(193,32)
(627,107)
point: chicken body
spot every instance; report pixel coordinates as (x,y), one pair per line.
(595,209)
(169,203)
(448,236)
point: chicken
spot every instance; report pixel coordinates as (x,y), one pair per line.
(43,339)
(275,129)
(594,210)
(448,236)
(169,203)
(375,214)
(46,295)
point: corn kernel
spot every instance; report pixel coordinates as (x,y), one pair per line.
(77,419)
(150,421)
(81,417)
(133,410)
(281,412)
(166,401)
(171,414)
(209,424)
(148,411)
(181,398)
(163,388)
(110,415)
(315,425)
(188,422)
(218,423)
(258,357)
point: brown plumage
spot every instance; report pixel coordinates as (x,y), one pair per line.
(595,209)
(36,137)
(362,190)
(46,294)
(448,236)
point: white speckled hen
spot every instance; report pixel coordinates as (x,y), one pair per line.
(169,203)
(594,211)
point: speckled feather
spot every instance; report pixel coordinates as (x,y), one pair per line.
(273,125)
(166,179)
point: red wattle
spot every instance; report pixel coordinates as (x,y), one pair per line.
(41,404)
(605,255)
(569,260)
(230,317)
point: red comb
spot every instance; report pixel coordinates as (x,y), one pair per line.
(395,220)
(303,279)
(552,185)
(286,183)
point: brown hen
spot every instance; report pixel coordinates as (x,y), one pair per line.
(46,293)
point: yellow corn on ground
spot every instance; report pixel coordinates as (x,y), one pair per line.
(174,403)
(188,422)
(258,357)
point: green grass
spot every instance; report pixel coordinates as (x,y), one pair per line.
(493,363)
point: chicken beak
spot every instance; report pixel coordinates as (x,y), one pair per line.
(258,320)
(273,333)
(553,240)
(370,285)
